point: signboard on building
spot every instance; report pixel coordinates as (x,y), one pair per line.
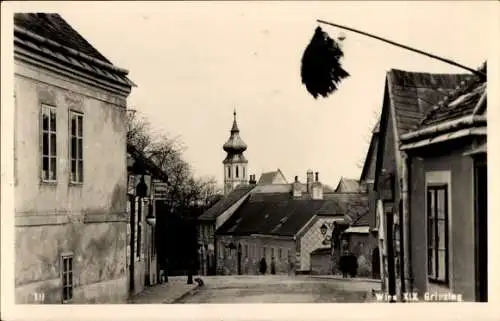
(159,191)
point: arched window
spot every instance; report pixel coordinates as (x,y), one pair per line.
(237,173)
(229,172)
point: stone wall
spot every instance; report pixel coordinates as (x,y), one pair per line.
(99,262)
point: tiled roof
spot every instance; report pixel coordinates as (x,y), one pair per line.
(52,26)
(280,214)
(459,103)
(225,203)
(413,93)
(348,185)
(270,177)
(49,35)
(267,178)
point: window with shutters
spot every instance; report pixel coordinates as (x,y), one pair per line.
(437,233)
(76,147)
(49,143)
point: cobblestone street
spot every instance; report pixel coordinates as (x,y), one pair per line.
(281,289)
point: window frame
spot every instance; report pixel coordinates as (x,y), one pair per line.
(433,249)
(79,138)
(48,109)
(67,277)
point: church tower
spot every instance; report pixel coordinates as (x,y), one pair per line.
(235,163)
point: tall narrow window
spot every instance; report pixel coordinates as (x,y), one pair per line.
(76,148)
(437,233)
(49,144)
(243,169)
(280,253)
(229,172)
(67,278)
(237,171)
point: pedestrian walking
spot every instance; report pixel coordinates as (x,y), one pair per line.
(263,266)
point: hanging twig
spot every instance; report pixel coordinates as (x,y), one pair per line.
(476,72)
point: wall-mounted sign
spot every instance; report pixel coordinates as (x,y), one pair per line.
(159,191)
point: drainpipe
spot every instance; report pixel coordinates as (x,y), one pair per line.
(405,223)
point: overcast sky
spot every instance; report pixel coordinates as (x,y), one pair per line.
(195,62)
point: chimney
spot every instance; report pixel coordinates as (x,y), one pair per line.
(252,180)
(296,188)
(309,181)
(317,189)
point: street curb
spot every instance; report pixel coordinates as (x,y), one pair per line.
(182,296)
(346,280)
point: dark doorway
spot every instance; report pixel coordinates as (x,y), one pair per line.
(481,226)
(376,263)
(390,254)
(131,201)
(239,259)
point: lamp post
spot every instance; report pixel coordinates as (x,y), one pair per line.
(323,229)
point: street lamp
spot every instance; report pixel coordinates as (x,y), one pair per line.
(323,229)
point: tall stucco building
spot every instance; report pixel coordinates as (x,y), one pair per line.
(70,168)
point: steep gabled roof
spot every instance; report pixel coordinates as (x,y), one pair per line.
(348,185)
(52,26)
(368,170)
(412,94)
(272,178)
(221,206)
(407,98)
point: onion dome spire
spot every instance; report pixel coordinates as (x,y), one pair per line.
(235,145)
